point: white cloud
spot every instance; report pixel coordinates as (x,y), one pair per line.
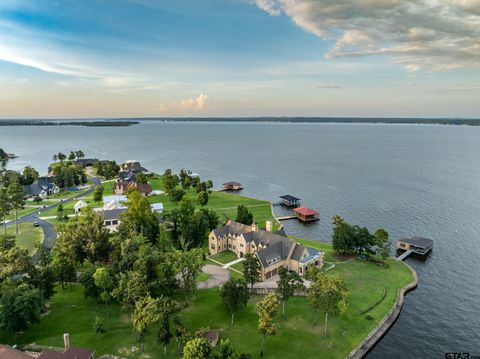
(430,34)
(196,104)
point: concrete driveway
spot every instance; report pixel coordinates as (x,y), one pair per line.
(218,276)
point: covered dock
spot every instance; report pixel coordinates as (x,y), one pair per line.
(289,201)
(305,214)
(418,245)
(232,186)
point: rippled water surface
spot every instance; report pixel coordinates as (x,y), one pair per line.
(409,179)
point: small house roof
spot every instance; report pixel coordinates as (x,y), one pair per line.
(417,241)
(232,183)
(111,214)
(290,198)
(69,353)
(7,352)
(115,198)
(80,204)
(157,206)
(305,211)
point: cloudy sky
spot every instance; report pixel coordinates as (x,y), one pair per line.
(124,58)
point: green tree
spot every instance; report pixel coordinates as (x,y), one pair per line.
(141,178)
(176,195)
(288,283)
(63,264)
(267,310)
(79,154)
(72,156)
(99,325)
(185,180)
(139,218)
(330,295)
(244,215)
(89,287)
(98,194)
(61,157)
(20,307)
(188,265)
(29,175)
(235,295)
(202,198)
(17,199)
(144,317)
(170,181)
(167,307)
(251,269)
(131,286)
(60,212)
(382,243)
(5,205)
(197,348)
(104,281)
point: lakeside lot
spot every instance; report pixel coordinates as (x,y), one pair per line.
(28,236)
(70,312)
(222,202)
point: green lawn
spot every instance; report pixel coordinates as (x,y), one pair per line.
(70,312)
(224,257)
(28,236)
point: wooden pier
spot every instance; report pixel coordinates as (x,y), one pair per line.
(415,245)
(286,218)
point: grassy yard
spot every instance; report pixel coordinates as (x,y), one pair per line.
(28,236)
(70,312)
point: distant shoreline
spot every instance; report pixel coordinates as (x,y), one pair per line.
(124,122)
(98,123)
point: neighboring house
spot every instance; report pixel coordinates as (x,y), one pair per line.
(41,188)
(273,249)
(7,352)
(69,353)
(86,162)
(134,166)
(127,176)
(232,186)
(111,217)
(114,202)
(121,187)
(77,208)
(157,207)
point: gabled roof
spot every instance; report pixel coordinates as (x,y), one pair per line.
(80,204)
(128,175)
(115,198)
(38,187)
(69,353)
(112,214)
(305,211)
(290,198)
(7,352)
(418,241)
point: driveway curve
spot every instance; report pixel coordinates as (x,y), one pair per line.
(218,276)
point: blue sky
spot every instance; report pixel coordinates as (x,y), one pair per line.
(239,58)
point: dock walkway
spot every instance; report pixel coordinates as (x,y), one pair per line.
(405,255)
(286,218)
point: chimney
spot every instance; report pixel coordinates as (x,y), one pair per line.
(269,226)
(66,340)
(254,226)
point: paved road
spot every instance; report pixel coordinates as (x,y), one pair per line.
(49,233)
(218,276)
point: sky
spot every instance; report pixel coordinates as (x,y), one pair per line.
(230,58)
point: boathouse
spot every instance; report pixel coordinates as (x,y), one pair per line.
(305,214)
(232,186)
(290,201)
(417,245)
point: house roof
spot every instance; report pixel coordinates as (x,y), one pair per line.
(232,184)
(111,214)
(290,198)
(69,353)
(133,166)
(128,175)
(418,241)
(7,352)
(115,198)
(157,206)
(305,211)
(38,187)
(80,204)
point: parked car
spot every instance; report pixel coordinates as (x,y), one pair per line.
(36,224)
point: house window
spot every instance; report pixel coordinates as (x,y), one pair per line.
(229,245)
(212,246)
(234,247)
(224,246)
(241,245)
(115,222)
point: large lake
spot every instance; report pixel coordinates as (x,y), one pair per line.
(410,179)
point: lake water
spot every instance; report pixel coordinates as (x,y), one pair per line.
(410,179)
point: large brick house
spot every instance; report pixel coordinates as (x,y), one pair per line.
(273,249)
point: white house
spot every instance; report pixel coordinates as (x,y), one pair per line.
(77,208)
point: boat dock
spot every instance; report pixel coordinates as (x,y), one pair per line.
(417,245)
